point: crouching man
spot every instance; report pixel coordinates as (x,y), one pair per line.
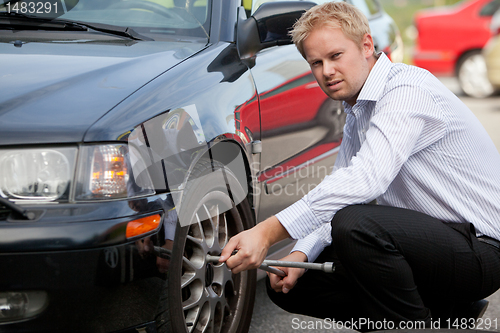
(430,249)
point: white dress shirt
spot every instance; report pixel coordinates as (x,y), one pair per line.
(411,143)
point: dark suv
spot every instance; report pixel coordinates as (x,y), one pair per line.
(136,137)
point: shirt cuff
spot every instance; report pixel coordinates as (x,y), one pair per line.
(298,219)
(311,246)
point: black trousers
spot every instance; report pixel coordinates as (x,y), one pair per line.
(396,265)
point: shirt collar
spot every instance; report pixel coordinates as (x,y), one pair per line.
(375,83)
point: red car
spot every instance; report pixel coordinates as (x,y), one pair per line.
(450,40)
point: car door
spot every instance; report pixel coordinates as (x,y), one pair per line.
(301,127)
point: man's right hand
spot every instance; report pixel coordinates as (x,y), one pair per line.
(252,249)
(252,245)
(285,284)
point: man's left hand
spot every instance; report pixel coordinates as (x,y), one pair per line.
(285,284)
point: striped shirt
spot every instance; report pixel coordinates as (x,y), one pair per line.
(411,143)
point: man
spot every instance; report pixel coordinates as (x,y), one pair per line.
(430,248)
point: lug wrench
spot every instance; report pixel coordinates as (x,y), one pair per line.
(327,267)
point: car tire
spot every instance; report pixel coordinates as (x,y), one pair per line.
(201,296)
(472,75)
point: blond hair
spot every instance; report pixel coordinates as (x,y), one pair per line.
(351,21)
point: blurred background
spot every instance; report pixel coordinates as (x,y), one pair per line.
(452,38)
(403,12)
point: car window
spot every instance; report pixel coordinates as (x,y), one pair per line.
(490,8)
(168,17)
(495,22)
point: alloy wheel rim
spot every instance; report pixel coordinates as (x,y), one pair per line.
(210,292)
(473,77)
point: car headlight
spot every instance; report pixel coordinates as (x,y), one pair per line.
(57,174)
(36,174)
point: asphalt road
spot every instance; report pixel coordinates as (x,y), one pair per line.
(269,318)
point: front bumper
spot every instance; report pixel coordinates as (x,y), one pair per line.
(94,278)
(98,290)
(435,61)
